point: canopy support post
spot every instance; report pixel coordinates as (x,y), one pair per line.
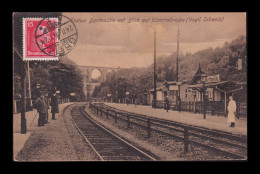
(225,103)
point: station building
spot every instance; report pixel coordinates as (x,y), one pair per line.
(216,97)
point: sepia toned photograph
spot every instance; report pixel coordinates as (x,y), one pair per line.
(129,86)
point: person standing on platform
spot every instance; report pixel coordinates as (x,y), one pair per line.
(40,106)
(231,111)
(167,103)
(179,104)
(54,105)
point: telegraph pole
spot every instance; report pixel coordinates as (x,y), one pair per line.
(23,99)
(177,70)
(177,60)
(154,71)
(23,94)
(29,83)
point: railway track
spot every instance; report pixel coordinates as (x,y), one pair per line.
(107,145)
(222,143)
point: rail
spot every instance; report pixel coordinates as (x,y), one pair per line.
(100,139)
(186,133)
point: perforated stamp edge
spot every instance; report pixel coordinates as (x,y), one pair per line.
(49,58)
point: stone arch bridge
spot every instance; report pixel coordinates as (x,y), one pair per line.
(88,85)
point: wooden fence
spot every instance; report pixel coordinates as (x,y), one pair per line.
(212,108)
(145,122)
(63,100)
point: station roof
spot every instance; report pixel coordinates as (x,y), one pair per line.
(159,87)
(197,76)
(169,83)
(224,86)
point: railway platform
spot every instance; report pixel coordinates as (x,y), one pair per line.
(60,140)
(47,143)
(211,122)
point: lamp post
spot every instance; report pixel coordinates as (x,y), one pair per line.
(109,97)
(178,99)
(154,73)
(29,85)
(134,97)
(23,101)
(194,96)
(127,96)
(72,94)
(203,80)
(116,96)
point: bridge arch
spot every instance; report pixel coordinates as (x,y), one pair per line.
(110,74)
(96,75)
(87,75)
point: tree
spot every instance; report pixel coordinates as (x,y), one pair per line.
(66,77)
(213,61)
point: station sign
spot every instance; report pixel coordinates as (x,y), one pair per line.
(178,83)
(173,88)
(214,78)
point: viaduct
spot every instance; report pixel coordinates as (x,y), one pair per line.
(88,85)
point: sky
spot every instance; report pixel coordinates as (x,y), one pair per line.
(120,43)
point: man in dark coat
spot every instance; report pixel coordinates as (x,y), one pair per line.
(167,105)
(40,106)
(54,105)
(178,103)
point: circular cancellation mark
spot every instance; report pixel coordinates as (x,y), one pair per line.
(56,36)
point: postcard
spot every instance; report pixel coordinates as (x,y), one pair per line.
(129,86)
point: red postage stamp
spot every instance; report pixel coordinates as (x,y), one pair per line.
(40,39)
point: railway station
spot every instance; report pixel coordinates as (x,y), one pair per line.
(123,126)
(67,137)
(142,101)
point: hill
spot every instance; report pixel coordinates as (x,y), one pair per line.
(222,61)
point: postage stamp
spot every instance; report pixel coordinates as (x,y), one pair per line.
(45,39)
(48,38)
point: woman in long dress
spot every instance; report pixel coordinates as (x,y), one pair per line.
(231,111)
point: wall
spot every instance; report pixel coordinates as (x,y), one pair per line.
(185,93)
(159,96)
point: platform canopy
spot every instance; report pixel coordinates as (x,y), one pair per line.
(224,86)
(162,88)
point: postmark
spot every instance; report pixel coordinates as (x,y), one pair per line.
(48,38)
(68,35)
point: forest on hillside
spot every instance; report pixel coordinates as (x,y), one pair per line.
(62,75)
(66,77)
(221,60)
(212,61)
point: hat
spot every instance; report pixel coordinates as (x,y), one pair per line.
(42,93)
